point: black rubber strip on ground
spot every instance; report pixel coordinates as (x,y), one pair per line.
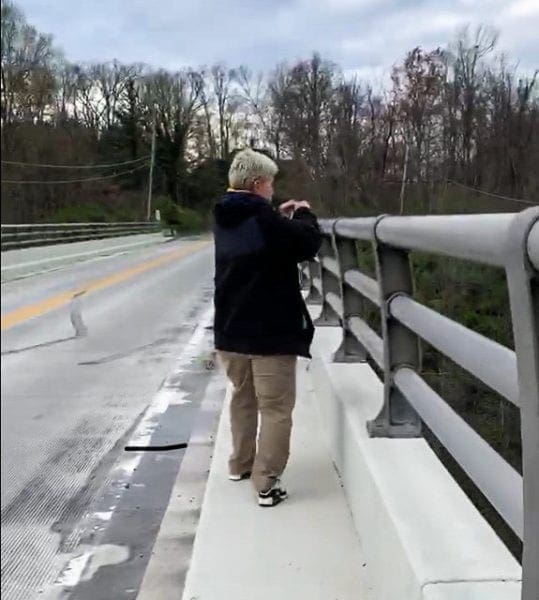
(156,448)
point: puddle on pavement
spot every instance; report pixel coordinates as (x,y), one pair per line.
(84,566)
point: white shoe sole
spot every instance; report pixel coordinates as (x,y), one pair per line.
(270,500)
(239,477)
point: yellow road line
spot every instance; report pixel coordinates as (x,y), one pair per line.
(44,306)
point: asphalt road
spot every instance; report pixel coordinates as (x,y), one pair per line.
(69,402)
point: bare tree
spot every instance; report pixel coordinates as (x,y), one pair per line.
(418,86)
(28,81)
(345,151)
(226,103)
(303,96)
(468,78)
(206,125)
(257,101)
(177,100)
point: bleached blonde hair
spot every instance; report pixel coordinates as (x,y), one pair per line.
(247,167)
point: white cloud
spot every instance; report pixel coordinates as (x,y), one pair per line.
(523,8)
(347,5)
(360,35)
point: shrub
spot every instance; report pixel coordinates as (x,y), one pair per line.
(83,213)
(178,219)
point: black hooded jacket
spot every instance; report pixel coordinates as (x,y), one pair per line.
(259,308)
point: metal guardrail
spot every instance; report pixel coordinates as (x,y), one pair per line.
(508,241)
(27,236)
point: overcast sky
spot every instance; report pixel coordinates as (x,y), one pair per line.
(363,36)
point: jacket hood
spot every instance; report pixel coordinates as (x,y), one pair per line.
(236,207)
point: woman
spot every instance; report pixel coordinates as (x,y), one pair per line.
(261,321)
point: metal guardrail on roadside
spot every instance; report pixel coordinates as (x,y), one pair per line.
(27,236)
(508,241)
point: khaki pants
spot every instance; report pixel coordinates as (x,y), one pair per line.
(265,385)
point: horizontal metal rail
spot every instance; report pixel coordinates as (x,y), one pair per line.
(81,225)
(489,361)
(365,285)
(369,338)
(60,233)
(331,265)
(44,234)
(335,302)
(500,483)
(470,237)
(358,229)
(506,241)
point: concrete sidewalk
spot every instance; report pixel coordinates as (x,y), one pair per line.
(306,547)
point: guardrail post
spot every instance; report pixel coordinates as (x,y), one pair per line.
(397,418)
(304,276)
(523,284)
(328,317)
(314,296)
(353,302)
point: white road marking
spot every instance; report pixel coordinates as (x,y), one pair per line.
(169,394)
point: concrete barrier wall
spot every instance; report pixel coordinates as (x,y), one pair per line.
(423,537)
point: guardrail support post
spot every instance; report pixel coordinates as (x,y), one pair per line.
(328,317)
(353,302)
(523,284)
(314,296)
(397,418)
(304,276)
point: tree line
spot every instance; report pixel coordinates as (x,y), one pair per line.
(448,117)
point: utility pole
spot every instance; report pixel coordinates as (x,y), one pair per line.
(152,163)
(404,172)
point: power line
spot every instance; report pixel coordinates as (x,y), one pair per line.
(14,181)
(477,191)
(102,166)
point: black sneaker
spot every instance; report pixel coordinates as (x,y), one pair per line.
(275,495)
(241,477)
